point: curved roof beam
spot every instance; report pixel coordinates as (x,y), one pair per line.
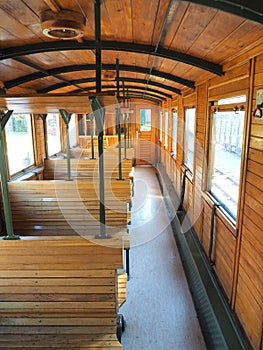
(248,9)
(154,92)
(67,45)
(75,68)
(91,80)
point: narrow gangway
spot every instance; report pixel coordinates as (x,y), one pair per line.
(159,310)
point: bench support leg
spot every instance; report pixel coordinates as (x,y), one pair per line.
(127,255)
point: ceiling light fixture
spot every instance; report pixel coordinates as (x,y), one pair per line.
(64,25)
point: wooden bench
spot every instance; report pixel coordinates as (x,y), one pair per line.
(67,208)
(59,293)
(84,169)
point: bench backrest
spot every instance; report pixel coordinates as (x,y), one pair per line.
(66,207)
(56,169)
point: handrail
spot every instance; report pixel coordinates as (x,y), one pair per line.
(212,227)
(181,201)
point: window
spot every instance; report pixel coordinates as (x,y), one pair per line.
(225,157)
(166,117)
(161,126)
(53,134)
(189,138)
(174,135)
(72,131)
(145,120)
(19,140)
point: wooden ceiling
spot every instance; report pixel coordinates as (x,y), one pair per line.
(163,46)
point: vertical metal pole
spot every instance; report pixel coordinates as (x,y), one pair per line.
(66,117)
(125,135)
(102,194)
(119,141)
(129,122)
(4,189)
(99,117)
(92,136)
(117,78)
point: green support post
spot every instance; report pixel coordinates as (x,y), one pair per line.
(125,135)
(129,126)
(44,119)
(92,136)
(119,142)
(66,117)
(99,118)
(4,186)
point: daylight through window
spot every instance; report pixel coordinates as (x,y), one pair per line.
(225,157)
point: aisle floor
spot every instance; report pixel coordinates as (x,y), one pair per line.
(159,310)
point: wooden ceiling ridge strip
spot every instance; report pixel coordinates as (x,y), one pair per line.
(75,68)
(170,13)
(68,45)
(90,80)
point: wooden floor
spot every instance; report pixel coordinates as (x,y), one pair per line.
(159,311)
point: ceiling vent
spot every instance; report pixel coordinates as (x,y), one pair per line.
(63,25)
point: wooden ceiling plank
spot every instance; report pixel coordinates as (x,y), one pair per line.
(194,22)
(211,38)
(52,103)
(143,23)
(52,5)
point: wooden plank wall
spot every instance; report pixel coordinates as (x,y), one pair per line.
(237,251)
(248,301)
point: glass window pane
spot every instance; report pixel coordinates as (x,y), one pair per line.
(145,120)
(225,159)
(166,116)
(174,138)
(189,138)
(53,134)
(72,131)
(20,151)
(161,126)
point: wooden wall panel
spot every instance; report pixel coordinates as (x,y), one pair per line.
(237,260)
(248,300)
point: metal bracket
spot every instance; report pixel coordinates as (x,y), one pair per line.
(66,116)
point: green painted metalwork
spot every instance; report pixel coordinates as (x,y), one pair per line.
(99,115)
(66,118)
(44,119)
(65,45)
(92,136)
(4,186)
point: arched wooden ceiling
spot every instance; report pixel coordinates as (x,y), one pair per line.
(163,46)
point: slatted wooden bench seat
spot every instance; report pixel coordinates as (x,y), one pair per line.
(66,208)
(59,293)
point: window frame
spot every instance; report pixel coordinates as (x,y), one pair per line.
(226,108)
(146,109)
(166,129)
(60,134)
(174,133)
(34,149)
(185,164)
(161,127)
